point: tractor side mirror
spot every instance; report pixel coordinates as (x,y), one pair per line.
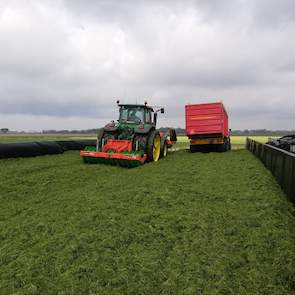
(162,111)
(155,118)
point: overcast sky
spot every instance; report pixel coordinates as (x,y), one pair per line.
(63,64)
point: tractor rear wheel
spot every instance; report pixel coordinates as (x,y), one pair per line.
(154,146)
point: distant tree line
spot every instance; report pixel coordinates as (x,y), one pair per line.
(4,130)
(265,132)
(87,131)
(179,131)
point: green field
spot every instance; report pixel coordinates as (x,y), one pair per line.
(235,140)
(213,223)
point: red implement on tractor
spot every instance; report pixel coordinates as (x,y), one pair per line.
(133,140)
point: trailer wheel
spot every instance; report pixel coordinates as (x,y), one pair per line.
(225,146)
(194,148)
(229,145)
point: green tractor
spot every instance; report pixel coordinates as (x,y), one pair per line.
(132,140)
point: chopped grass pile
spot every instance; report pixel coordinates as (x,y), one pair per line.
(190,224)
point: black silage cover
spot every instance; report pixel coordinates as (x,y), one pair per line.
(32,149)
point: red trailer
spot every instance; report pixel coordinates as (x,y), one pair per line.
(207,126)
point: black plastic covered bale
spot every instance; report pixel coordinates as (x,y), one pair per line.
(50,147)
(28,149)
(32,149)
(75,144)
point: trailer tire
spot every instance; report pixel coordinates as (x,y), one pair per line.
(194,148)
(225,146)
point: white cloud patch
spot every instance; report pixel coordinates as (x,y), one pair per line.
(72,59)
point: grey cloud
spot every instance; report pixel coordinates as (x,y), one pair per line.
(272,13)
(47,108)
(75,58)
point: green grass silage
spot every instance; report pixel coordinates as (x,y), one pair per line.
(189,224)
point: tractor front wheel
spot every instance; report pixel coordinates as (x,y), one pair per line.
(154,147)
(164,148)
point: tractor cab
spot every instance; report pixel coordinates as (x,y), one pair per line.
(136,114)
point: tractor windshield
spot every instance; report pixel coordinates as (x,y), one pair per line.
(131,114)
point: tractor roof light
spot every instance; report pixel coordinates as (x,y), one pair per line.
(161,110)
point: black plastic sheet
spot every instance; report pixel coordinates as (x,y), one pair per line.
(29,149)
(33,149)
(75,144)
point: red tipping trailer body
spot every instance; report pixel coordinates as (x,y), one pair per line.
(207,124)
